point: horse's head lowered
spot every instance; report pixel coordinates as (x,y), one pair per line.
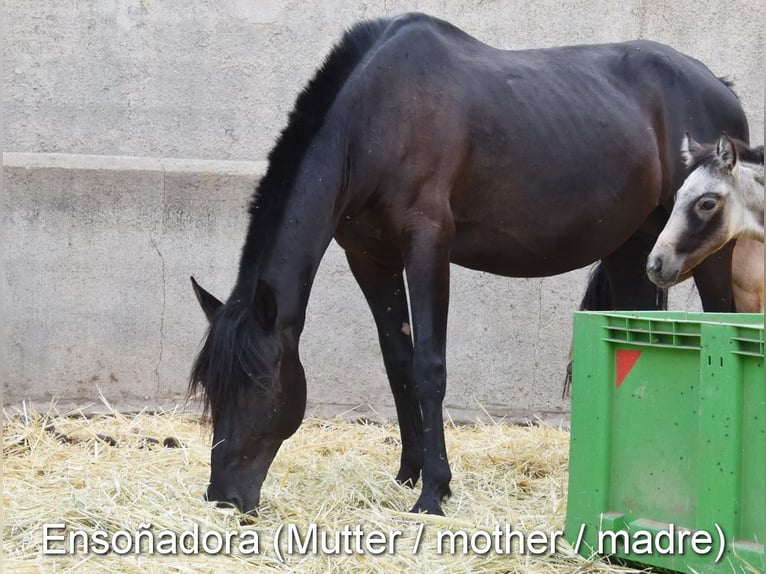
(252,380)
(721,199)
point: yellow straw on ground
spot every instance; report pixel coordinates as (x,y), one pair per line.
(333,474)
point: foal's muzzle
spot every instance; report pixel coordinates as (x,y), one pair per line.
(663,268)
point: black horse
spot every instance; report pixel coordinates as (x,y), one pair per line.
(416,145)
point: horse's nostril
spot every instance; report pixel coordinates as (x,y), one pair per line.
(225,502)
(655,265)
(232,502)
(221,500)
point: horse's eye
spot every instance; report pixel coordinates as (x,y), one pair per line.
(707,204)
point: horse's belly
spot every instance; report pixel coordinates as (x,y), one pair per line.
(495,251)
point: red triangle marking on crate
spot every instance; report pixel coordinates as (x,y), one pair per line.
(626,358)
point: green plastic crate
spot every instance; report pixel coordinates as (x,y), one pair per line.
(669,428)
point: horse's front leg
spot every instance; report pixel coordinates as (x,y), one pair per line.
(427,264)
(383,287)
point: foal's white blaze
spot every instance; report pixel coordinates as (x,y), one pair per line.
(720,200)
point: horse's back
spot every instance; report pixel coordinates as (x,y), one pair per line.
(529,151)
(429,81)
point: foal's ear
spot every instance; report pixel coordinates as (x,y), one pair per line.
(265,304)
(207,301)
(690,148)
(726,152)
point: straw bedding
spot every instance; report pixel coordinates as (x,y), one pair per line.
(113,473)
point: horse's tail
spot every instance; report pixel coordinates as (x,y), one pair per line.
(598,295)
(662,299)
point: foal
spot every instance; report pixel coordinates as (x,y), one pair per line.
(720,200)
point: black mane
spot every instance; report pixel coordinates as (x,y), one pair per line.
(229,358)
(311,106)
(754,155)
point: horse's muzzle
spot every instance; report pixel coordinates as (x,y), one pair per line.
(662,271)
(245,502)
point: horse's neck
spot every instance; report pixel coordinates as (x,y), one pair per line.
(308,224)
(753,184)
(752,196)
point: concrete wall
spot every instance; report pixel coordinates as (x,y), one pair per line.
(215,79)
(99,249)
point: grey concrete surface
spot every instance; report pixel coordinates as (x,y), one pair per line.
(99,245)
(215,79)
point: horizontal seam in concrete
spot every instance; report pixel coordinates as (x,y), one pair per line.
(132,163)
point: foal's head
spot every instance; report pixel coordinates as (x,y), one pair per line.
(254,391)
(721,199)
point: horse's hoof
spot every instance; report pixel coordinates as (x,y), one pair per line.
(407,477)
(408,482)
(427,507)
(431,504)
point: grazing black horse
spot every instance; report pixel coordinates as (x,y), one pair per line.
(416,145)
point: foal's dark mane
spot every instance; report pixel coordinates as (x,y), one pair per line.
(706,155)
(229,356)
(754,155)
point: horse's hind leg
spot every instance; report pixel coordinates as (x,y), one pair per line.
(383,287)
(427,265)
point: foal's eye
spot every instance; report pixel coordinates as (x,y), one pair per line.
(707,204)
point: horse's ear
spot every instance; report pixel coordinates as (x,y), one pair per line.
(726,151)
(207,301)
(265,304)
(690,148)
